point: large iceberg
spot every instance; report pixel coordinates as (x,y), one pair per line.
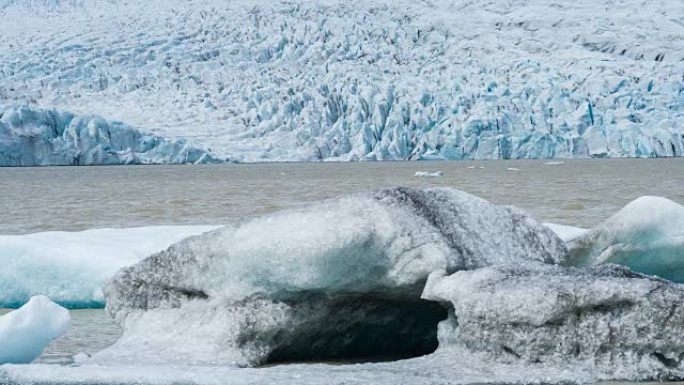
(71,267)
(40,137)
(25,332)
(359,80)
(341,279)
(616,322)
(647,235)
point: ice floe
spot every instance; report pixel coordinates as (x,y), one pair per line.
(25,332)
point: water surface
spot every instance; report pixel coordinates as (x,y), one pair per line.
(576,192)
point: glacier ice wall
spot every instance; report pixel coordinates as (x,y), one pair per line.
(341,277)
(71,267)
(647,235)
(40,137)
(358,80)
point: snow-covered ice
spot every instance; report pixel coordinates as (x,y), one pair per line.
(71,267)
(25,332)
(647,235)
(278,80)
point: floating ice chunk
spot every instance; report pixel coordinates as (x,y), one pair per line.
(263,291)
(429,174)
(70,267)
(513,169)
(25,332)
(553,163)
(647,235)
(566,233)
(607,318)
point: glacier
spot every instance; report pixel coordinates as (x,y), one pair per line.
(71,267)
(48,137)
(25,332)
(255,81)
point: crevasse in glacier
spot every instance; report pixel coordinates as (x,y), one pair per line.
(359,80)
(340,279)
(39,137)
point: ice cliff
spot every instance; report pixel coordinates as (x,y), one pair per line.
(40,137)
(359,80)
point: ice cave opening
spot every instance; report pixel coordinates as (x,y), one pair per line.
(353,328)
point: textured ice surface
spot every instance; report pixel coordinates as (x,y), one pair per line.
(621,324)
(39,137)
(340,273)
(566,233)
(647,235)
(347,80)
(25,332)
(71,267)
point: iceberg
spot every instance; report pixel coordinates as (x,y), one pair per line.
(354,80)
(41,137)
(606,317)
(647,235)
(25,332)
(71,267)
(428,174)
(340,279)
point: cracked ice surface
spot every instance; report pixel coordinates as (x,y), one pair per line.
(255,80)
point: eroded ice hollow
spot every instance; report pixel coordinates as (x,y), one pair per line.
(395,274)
(337,280)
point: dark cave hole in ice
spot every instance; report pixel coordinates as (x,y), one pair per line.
(359,328)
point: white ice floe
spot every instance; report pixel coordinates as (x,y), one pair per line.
(25,332)
(428,174)
(359,80)
(70,267)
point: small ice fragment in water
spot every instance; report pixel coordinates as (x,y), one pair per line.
(435,174)
(513,169)
(553,163)
(25,332)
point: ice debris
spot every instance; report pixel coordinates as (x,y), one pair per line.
(25,332)
(428,174)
